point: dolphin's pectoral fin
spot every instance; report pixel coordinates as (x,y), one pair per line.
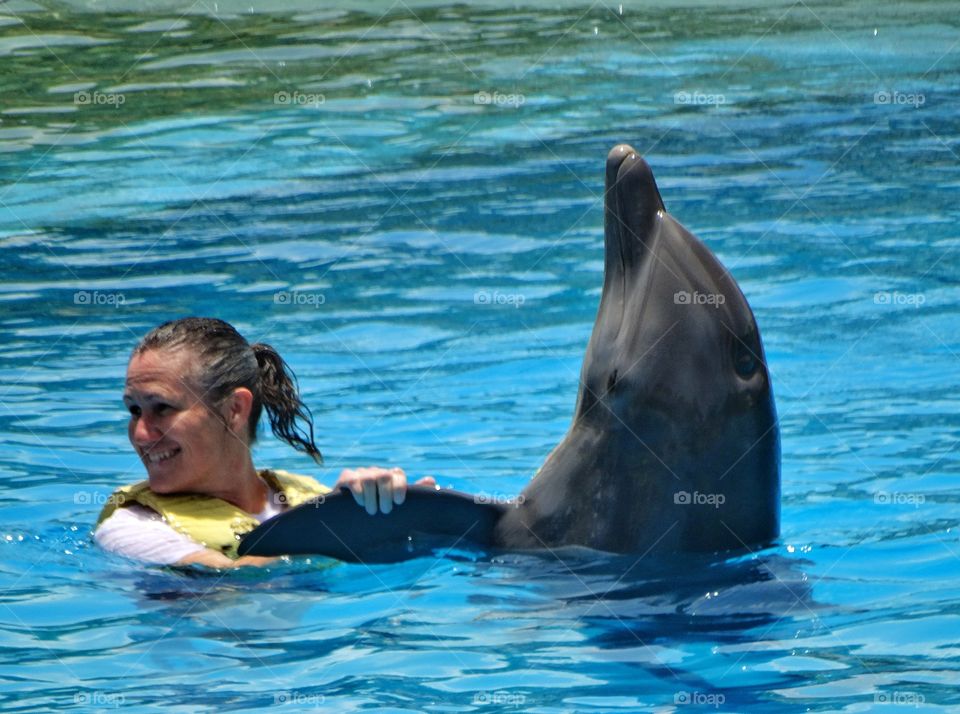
(335,526)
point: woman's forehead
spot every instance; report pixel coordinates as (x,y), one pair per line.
(158,371)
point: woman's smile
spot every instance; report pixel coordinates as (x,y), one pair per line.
(153,457)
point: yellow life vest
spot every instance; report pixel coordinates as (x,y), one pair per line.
(208,520)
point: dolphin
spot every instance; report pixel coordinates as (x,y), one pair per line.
(674,444)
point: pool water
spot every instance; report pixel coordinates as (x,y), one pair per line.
(406,200)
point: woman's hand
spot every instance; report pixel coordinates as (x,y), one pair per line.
(373,487)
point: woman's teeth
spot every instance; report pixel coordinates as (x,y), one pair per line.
(156,458)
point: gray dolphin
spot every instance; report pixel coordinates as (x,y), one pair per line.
(674,444)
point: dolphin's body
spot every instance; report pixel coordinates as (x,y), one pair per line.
(674,444)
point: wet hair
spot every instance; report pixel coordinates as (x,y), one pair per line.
(226,361)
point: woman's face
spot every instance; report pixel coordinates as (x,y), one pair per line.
(180,440)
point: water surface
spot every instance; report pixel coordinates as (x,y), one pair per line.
(406,202)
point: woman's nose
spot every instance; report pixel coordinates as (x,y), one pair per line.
(145,431)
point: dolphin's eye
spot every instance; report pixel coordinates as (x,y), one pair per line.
(745,361)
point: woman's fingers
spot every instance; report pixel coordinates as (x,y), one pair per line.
(398,486)
(349,479)
(377,488)
(369,486)
(385,490)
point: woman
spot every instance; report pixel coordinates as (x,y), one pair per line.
(195,390)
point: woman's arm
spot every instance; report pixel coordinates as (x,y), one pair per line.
(215,559)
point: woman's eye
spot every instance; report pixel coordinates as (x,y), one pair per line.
(161,409)
(134,410)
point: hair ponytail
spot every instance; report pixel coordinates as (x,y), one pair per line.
(280,396)
(226,361)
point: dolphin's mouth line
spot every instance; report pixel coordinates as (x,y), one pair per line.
(638,281)
(623,265)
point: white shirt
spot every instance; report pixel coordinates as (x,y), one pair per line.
(140,533)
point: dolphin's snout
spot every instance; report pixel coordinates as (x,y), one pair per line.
(634,202)
(616,156)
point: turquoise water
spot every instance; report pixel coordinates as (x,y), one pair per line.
(406,202)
